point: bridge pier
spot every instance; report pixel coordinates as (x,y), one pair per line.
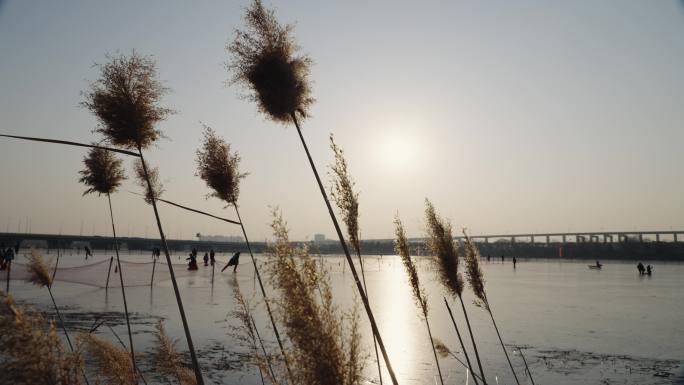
(657,237)
(675,237)
(548,239)
(564,238)
(641,237)
(532,239)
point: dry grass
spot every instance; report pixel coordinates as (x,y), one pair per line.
(441,244)
(32,352)
(265,61)
(113,362)
(344,196)
(402,249)
(39,272)
(219,167)
(157,188)
(326,345)
(168,361)
(125,100)
(103,172)
(441,348)
(473,271)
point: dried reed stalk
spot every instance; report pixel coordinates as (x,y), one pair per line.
(168,361)
(477,284)
(218,166)
(264,61)
(113,363)
(32,352)
(325,342)
(103,174)
(441,243)
(126,101)
(401,247)
(347,201)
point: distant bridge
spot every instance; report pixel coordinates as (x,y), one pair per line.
(583,237)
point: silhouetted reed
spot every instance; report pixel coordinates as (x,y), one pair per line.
(444,351)
(477,283)
(265,61)
(168,361)
(347,201)
(126,101)
(114,363)
(218,166)
(32,352)
(325,343)
(441,243)
(103,174)
(154,188)
(401,247)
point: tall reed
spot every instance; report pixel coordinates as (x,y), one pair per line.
(325,343)
(103,174)
(401,247)
(32,352)
(441,244)
(265,61)
(113,363)
(477,284)
(347,201)
(126,101)
(168,361)
(218,166)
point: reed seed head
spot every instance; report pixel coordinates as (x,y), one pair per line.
(401,247)
(32,352)
(157,188)
(344,196)
(473,270)
(103,172)
(39,272)
(326,346)
(219,167)
(441,348)
(441,244)
(125,100)
(168,361)
(265,61)
(113,362)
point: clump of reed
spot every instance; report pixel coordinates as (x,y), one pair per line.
(103,174)
(168,361)
(32,352)
(218,166)
(149,180)
(401,247)
(126,100)
(113,362)
(265,61)
(347,201)
(440,242)
(326,344)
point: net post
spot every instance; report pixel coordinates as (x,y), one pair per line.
(213,267)
(9,269)
(109,270)
(154,264)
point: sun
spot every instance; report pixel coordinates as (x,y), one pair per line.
(397,151)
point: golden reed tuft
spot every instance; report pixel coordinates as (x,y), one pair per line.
(401,247)
(219,167)
(264,61)
(168,361)
(441,244)
(153,172)
(103,172)
(326,344)
(125,100)
(32,352)
(473,271)
(113,362)
(39,272)
(344,196)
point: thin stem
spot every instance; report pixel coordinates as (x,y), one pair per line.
(472,339)
(263,294)
(124,346)
(268,360)
(66,334)
(434,351)
(56,264)
(362,293)
(176,291)
(123,288)
(375,342)
(527,368)
(489,310)
(460,340)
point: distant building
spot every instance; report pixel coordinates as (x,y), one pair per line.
(319,238)
(220,238)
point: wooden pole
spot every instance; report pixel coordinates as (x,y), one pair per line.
(154,264)
(9,268)
(109,271)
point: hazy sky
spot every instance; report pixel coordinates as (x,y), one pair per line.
(512,116)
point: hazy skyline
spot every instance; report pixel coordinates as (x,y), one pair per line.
(511,117)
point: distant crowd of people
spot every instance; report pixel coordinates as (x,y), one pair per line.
(648,270)
(209,259)
(7,255)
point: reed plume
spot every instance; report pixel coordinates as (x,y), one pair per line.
(440,242)
(126,102)
(219,168)
(347,201)
(168,361)
(39,271)
(113,362)
(401,247)
(325,342)
(477,284)
(32,352)
(103,174)
(264,61)
(154,189)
